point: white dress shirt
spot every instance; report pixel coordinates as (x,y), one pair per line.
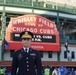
(25,49)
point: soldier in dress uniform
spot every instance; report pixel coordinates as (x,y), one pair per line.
(27,60)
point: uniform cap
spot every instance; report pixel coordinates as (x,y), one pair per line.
(26,34)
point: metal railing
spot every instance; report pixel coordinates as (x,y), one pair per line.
(47,5)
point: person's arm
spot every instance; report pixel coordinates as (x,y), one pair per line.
(52,72)
(14,65)
(38,64)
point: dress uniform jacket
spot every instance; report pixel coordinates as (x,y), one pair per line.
(27,63)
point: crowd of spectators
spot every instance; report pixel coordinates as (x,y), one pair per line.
(58,70)
(46,70)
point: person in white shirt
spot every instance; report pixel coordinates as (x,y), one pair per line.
(55,72)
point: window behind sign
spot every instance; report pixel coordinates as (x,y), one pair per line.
(73,55)
(50,54)
(65,54)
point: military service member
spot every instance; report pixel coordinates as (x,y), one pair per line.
(26,60)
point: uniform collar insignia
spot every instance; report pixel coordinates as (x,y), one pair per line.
(30,49)
(22,50)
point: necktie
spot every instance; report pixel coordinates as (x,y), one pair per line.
(26,50)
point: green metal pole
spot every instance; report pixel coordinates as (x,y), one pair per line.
(58,26)
(3,31)
(32,6)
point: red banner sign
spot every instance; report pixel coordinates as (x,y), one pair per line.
(46,35)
